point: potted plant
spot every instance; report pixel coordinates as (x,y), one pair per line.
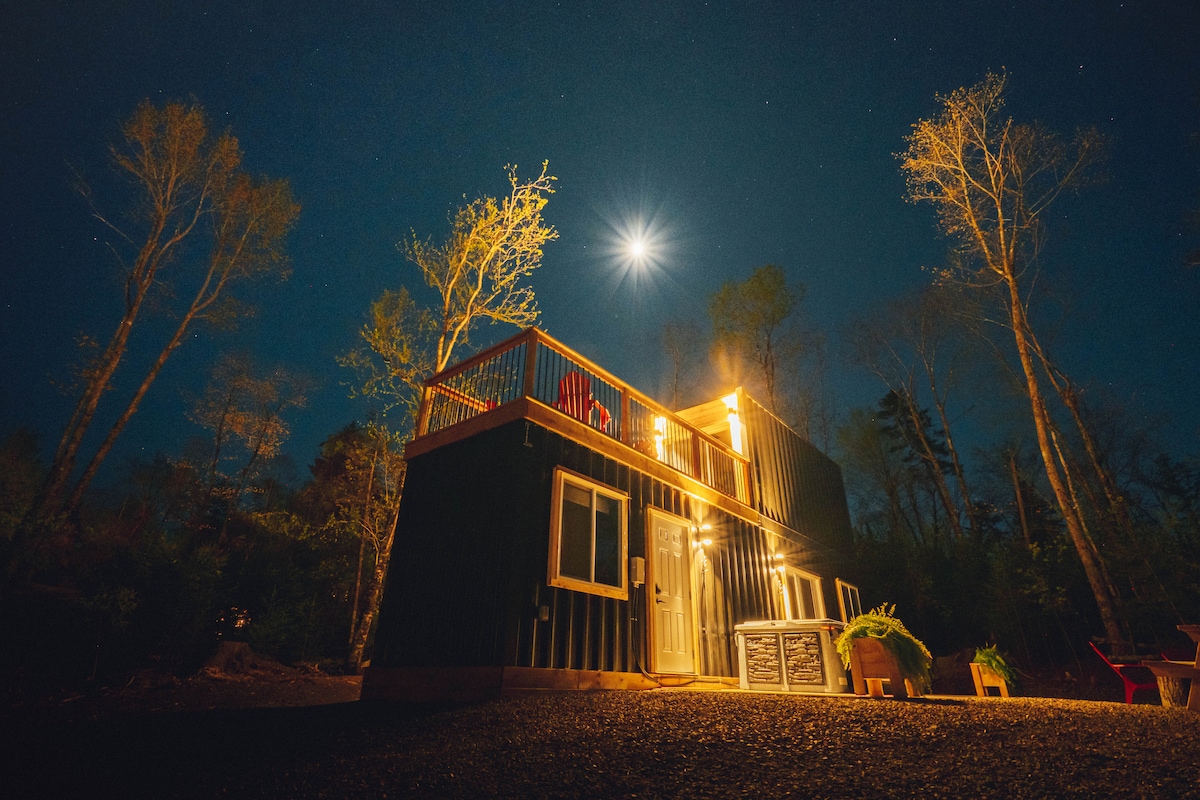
(876,646)
(990,668)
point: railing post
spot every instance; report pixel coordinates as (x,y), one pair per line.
(625,415)
(696,473)
(748,482)
(423,412)
(531,348)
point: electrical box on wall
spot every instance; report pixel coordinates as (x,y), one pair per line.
(637,571)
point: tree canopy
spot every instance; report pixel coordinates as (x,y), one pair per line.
(197,220)
(751,322)
(480,270)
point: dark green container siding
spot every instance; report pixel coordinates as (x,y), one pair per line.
(449,593)
(795,483)
(737,587)
(467,580)
(799,486)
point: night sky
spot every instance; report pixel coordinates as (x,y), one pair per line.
(742,134)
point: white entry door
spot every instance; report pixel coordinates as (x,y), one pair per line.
(669,591)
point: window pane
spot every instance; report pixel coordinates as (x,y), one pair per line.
(851,605)
(795,609)
(608,541)
(575,549)
(808,606)
(802,596)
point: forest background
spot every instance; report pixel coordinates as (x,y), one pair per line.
(984,513)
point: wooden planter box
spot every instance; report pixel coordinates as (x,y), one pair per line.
(871,664)
(986,678)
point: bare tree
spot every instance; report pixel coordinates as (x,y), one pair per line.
(245,406)
(188,183)
(759,337)
(479,272)
(991,181)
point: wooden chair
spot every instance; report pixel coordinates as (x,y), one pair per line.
(575,398)
(1132,675)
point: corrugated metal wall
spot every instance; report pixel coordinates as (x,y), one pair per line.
(737,586)
(449,590)
(795,483)
(468,574)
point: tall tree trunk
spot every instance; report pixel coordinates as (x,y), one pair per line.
(1070,469)
(206,295)
(354,599)
(935,472)
(1117,504)
(1016,479)
(362,549)
(939,403)
(90,472)
(1041,422)
(98,382)
(358,644)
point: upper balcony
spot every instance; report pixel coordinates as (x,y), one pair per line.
(535,368)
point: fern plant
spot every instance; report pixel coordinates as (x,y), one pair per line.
(991,657)
(912,656)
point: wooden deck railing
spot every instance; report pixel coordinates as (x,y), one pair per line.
(533,365)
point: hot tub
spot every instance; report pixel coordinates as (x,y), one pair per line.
(795,655)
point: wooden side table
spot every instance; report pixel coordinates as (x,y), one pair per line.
(1181,670)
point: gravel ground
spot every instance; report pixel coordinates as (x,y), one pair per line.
(658,744)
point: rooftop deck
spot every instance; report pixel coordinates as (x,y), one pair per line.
(532,366)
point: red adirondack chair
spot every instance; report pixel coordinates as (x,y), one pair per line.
(575,398)
(1134,676)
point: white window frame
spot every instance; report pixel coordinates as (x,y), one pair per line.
(553,577)
(848,592)
(786,573)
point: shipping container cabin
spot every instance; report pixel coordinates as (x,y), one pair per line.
(560,529)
